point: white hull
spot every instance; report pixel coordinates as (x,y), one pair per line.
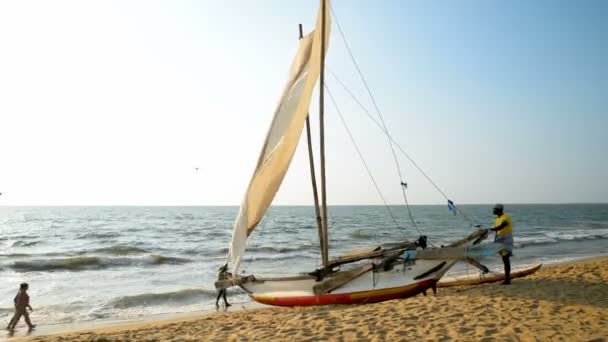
(401,281)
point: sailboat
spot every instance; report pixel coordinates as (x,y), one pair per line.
(376,275)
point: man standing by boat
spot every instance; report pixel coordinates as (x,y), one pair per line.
(503,226)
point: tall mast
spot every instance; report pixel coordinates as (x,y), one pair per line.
(314,181)
(322,133)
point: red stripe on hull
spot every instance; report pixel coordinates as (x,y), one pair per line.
(363,297)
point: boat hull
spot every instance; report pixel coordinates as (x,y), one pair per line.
(363,297)
(402,281)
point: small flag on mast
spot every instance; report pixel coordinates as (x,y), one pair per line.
(451,207)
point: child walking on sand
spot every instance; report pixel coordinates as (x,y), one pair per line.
(22,303)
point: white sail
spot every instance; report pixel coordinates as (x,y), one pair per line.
(282,138)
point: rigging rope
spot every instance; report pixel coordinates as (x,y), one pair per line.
(331,97)
(385,129)
(471,221)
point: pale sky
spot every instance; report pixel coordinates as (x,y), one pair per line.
(117,102)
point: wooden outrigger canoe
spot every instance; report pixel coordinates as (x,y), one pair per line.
(477,279)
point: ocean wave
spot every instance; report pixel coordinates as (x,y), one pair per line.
(252,249)
(112,250)
(20,237)
(72,264)
(97,235)
(117,250)
(150,299)
(598,225)
(15,255)
(557,237)
(205,251)
(26,255)
(363,234)
(161,260)
(206,234)
(283,256)
(580,234)
(92,263)
(277,249)
(533,241)
(21,243)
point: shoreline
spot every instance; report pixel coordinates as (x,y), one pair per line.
(112,324)
(561,284)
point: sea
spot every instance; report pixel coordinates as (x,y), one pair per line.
(86,264)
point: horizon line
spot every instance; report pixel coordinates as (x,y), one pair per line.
(287,205)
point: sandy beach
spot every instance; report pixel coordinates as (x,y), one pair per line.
(562,302)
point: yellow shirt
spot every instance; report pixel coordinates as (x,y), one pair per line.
(506,230)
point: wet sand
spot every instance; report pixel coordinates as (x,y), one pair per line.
(564,302)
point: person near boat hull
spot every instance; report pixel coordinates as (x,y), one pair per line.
(503,226)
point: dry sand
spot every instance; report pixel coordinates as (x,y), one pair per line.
(567,302)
